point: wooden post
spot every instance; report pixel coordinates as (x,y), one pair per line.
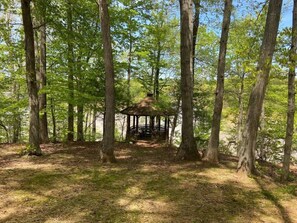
(137,119)
(128,133)
(167,132)
(165,127)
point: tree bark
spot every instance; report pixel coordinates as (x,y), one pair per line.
(174,121)
(187,149)
(17,116)
(246,161)
(16,87)
(240,114)
(291,98)
(53,120)
(212,154)
(195,30)
(80,123)
(34,141)
(70,55)
(94,124)
(129,72)
(107,152)
(42,81)
(157,73)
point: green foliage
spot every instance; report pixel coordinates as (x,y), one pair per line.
(145,37)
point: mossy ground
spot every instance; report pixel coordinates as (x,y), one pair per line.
(69,184)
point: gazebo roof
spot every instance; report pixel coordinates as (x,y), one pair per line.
(148,107)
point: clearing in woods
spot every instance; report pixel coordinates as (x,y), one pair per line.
(69,184)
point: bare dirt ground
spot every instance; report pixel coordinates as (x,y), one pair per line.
(69,184)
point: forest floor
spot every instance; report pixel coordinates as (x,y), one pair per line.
(69,184)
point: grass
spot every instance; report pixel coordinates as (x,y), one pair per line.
(69,184)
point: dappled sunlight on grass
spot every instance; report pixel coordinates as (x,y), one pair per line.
(69,184)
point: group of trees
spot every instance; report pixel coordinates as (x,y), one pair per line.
(86,58)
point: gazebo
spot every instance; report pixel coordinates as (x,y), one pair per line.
(150,119)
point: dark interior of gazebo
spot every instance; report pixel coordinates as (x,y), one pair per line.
(148,119)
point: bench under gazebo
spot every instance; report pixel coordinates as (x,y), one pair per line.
(148,119)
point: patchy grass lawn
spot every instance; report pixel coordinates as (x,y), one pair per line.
(69,184)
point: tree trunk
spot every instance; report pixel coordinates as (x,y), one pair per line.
(212,154)
(129,72)
(240,115)
(188,149)
(70,135)
(17,117)
(34,141)
(291,98)
(107,152)
(195,30)
(174,121)
(53,120)
(8,39)
(94,124)
(80,123)
(246,161)
(42,81)
(157,73)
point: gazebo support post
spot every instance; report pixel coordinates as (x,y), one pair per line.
(137,119)
(167,131)
(128,128)
(152,124)
(165,127)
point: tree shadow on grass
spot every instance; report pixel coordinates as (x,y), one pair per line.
(144,186)
(130,196)
(275,200)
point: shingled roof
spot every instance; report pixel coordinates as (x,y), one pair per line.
(148,107)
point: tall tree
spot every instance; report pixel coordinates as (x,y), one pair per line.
(70,55)
(195,29)
(213,145)
(187,149)
(31,79)
(246,161)
(42,74)
(107,152)
(291,97)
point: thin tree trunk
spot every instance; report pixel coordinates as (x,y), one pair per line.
(291,98)
(240,115)
(70,135)
(42,81)
(88,122)
(107,152)
(174,121)
(16,115)
(157,73)
(6,131)
(128,84)
(212,154)
(187,149)
(94,124)
(53,120)
(246,161)
(16,87)
(80,123)
(34,141)
(195,30)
